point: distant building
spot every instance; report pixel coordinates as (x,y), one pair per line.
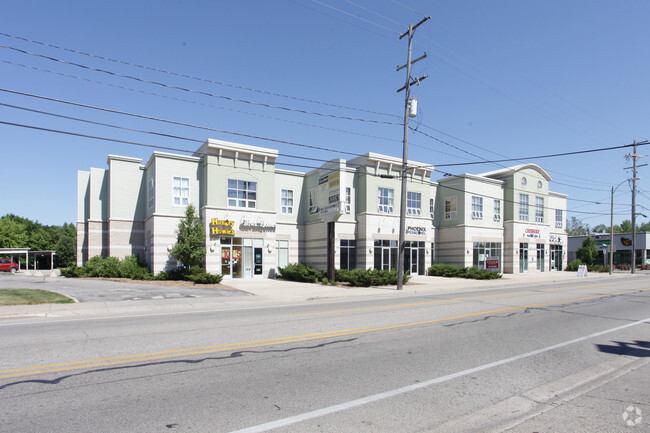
(258,217)
(622,248)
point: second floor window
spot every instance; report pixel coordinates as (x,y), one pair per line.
(181,192)
(450,208)
(431,207)
(286,201)
(348,200)
(385,200)
(413,203)
(523,207)
(559,221)
(150,193)
(497,210)
(242,193)
(539,209)
(477,207)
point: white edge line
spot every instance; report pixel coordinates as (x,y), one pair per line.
(388,394)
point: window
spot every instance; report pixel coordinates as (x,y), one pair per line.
(413,203)
(181,191)
(539,209)
(559,221)
(450,208)
(385,200)
(286,201)
(150,192)
(348,254)
(487,250)
(497,210)
(385,254)
(431,207)
(477,207)
(242,193)
(523,207)
(283,253)
(348,200)
(313,200)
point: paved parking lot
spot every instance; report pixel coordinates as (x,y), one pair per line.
(95,290)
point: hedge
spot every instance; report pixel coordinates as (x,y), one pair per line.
(451,271)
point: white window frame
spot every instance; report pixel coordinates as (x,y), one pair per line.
(413,203)
(497,210)
(523,207)
(451,207)
(385,200)
(431,208)
(286,201)
(181,191)
(559,220)
(539,209)
(477,207)
(242,194)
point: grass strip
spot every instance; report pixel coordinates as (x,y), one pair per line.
(31,297)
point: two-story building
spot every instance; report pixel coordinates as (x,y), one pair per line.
(258,217)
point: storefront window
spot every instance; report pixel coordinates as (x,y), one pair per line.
(385,254)
(348,254)
(485,250)
(283,253)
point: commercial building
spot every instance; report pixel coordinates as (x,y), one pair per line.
(258,217)
(622,248)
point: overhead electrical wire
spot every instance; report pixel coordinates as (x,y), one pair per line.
(174,98)
(193,77)
(197,92)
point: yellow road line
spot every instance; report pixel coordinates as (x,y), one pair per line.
(117,360)
(438,301)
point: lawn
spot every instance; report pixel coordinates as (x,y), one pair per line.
(31,297)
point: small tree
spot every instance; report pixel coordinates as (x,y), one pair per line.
(190,242)
(588,252)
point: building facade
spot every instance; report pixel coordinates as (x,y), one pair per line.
(622,248)
(258,217)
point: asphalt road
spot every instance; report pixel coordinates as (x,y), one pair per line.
(570,357)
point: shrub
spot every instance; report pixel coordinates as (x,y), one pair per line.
(71,272)
(369,277)
(598,268)
(573,266)
(109,267)
(450,271)
(204,277)
(301,273)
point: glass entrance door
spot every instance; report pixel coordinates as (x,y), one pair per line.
(414,261)
(540,257)
(231,261)
(523,257)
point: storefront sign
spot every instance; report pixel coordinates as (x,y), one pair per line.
(554,239)
(410,230)
(492,264)
(331,190)
(531,233)
(257,224)
(626,242)
(222,227)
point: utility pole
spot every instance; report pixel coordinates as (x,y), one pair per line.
(402,205)
(634,167)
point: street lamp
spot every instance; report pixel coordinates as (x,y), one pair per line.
(611,231)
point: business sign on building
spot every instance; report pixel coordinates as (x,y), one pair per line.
(331,190)
(492,264)
(221,227)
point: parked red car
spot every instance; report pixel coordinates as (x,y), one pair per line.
(8,265)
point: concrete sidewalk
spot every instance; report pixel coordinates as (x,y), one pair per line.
(270,292)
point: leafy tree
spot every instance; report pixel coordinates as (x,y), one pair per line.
(190,242)
(600,228)
(12,233)
(645,227)
(587,253)
(626,226)
(576,227)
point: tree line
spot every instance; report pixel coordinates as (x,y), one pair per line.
(576,227)
(18,232)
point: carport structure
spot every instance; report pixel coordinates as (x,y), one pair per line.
(20,252)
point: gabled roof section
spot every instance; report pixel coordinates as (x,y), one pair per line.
(512,170)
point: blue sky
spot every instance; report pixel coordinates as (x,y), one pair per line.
(505,78)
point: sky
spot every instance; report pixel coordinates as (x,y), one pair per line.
(316,80)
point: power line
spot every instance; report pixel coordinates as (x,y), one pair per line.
(193,77)
(198,92)
(203,104)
